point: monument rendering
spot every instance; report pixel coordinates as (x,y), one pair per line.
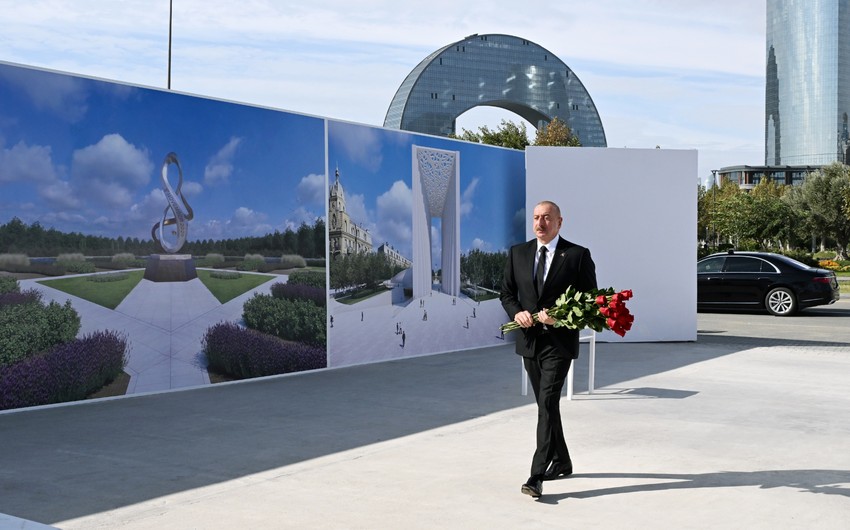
(436,193)
(172,267)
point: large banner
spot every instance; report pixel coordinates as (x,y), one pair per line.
(165,240)
(174,221)
(418,232)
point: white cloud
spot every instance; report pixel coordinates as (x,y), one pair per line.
(246,221)
(220,166)
(467,196)
(355,205)
(362,145)
(191,188)
(393,223)
(59,195)
(311,189)
(480,244)
(298,216)
(110,171)
(24,163)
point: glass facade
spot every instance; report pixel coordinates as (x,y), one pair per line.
(499,71)
(807,92)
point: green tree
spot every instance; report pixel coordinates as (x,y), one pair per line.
(703,214)
(318,239)
(556,133)
(772,218)
(732,213)
(509,134)
(821,200)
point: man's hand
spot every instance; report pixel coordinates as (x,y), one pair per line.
(544,318)
(524,319)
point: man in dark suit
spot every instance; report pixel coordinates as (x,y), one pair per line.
(536,274)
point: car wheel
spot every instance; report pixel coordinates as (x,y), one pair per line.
(780,302)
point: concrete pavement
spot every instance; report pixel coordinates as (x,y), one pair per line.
(746,428)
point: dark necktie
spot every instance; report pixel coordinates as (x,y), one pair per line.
(540,274)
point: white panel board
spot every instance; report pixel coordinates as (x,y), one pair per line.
(636,210)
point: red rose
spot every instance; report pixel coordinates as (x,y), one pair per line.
(604,311)
(601,300)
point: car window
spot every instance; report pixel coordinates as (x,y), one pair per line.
(742,264)
(711,264)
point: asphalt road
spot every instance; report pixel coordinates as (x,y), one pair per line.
(829,323)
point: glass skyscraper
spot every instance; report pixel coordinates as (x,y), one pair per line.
(499,71)
(807,94)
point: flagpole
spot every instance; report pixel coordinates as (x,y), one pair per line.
(170,12)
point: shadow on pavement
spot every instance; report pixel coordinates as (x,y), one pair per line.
(822,481)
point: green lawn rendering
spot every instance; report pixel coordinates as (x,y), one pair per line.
(110,293)
(226,289)
(107,293)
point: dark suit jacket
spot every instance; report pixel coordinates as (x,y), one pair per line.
(571,265)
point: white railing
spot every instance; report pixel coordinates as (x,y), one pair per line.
(590,337)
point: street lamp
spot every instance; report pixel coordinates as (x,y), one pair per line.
(714,205)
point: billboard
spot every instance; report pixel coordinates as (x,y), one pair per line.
(211,240)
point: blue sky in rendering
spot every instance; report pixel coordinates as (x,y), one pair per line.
(81,155)
(376,174)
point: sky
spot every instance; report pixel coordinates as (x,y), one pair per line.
(83,155)
(679,74)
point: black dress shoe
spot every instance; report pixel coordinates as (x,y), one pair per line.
(533,487)
(558,471)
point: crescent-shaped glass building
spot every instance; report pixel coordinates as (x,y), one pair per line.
(498,71)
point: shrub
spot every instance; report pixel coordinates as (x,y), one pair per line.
(315,262)
(75,263)
(212,258)
(8,284)
(829,264)
(801,256)
(124,257)
(227,264)
(77,267)
(254,257)
(73,257)
(69,372)
(292,261)
(121,265)
(244,353)
(225,275)
(289,291)
(108,277)
(250,265)
(315,279)
(30,328)
(30,296)
(13,260)
(296,320)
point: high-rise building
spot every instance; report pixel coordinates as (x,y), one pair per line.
(807,96)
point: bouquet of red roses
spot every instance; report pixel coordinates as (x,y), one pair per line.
(596,309)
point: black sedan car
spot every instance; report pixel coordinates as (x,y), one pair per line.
(741,280)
